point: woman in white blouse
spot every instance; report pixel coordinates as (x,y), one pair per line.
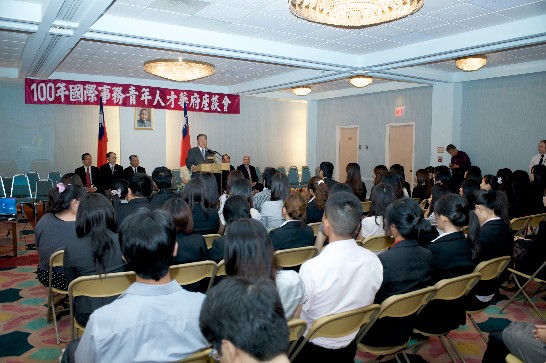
(381,196)
(272,209)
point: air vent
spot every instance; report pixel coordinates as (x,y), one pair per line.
(49,44)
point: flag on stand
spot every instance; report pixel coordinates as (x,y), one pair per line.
(185,143)
(102,147)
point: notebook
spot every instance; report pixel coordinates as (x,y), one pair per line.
(8,209)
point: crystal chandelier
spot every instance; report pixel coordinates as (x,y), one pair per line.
(353,13)
(301,91)
(360,81)
(178,69)
(472,63)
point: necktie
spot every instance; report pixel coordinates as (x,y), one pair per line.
(112,167)
(134,170)
(203,152)
(87,178)
(541,159)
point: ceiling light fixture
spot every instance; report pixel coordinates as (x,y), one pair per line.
(178,69)
(354,13)
(301,91)
(472,63)
(360,81)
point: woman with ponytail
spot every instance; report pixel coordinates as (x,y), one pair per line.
(406,267)
(382,195)
(491,237)
(293,233)
(55,228)
(319,195)
(95,251)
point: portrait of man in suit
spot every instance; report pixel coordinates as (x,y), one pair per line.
(143,121)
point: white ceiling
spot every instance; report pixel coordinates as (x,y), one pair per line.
(259,48)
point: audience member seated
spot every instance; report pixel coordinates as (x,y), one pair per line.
(473,173)
(72,179)
(396,182)
(504,176)
(321,237)
(212,196)
(162,177)
(146,323)
(468,187)
(191,247)
(243,188)
(329,279)
(260,198)
(519,195)
(451,258)
(249,254)
(378,172)
(318,190)
(422,190)
(354,180)
(442,175)
(382,195)
(524,340)
(139,188)
(490,182)
(293,232)
(96,251)
(55,228)
(326,172)
(235,208)
(437,191)
(272,209)
(406,267)
(244,322)
(491,237)
(66,179)
(231,177)
(205,220)
(538,188)
(399,169)
(119,192)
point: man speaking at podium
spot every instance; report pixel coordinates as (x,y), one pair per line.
(199,154)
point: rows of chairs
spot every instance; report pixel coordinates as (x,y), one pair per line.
(527,223)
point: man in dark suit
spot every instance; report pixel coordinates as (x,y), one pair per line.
(140,188)
(326,170)
(162,177)
(199,154)
(249,172)
(110,171)
(134,168)
(89,174)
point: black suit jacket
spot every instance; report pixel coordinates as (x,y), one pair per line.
(313,214)
(96,179)
(292,235)
(253,177)
(195,157)
(191,248)
(329,182)
(206,222)
(160,198)
(128,172)
(451,256)
(217,250)
(123,210)
(107,177)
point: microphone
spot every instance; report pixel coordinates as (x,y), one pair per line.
(213,152)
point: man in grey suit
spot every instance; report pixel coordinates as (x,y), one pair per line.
(199,154)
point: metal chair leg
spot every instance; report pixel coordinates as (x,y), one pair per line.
(455,348)
(477,328)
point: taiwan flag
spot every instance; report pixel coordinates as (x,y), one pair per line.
(103,138)
(185,143)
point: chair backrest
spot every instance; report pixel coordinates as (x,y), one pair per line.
(378,243)
(188,273)
(519,224)
(491,269)
(366,206)
(33,178)
(56,260)
(305,174)
(293,175)
(534,220)
(55,176)
(510,358)
(281,169)
(295,256)
(297,328)
(221,270)
(41,166)
(7,182)
(315,227)
(209,238)
(43,186)
(258,173)
(456,287)
(202,356)
(339,325)
(20,186)
(2,190)
(398,306)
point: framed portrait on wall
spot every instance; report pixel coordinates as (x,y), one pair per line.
(143,119)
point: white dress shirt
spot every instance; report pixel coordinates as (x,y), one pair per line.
(535,160)
(343,277)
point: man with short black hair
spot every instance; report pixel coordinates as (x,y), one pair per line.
(110,172)
(245,322)
(89,174)
(260,198)
(133,168)
(199,154)
(155,320)
(329,278)
(139,188)
(162,177)
(326,171)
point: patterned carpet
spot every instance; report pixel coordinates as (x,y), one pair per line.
(26,250)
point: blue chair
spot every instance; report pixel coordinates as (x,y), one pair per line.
(54,176)
(43,186)
(6,182)
(305,175)
(33,178)
(293,177)
(20,189)
(281,169)
(2,190)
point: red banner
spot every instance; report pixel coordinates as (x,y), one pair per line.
(63,92)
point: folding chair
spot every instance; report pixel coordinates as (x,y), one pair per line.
(297,327)
(521,289)
(396,306)
(56,260)
(338,325)
(378,243)
(449,290)
(305,175)
(293,257)
(315,227)
(2,189)
(189,273)
(534,221)
(281,169)
(294,178)
(7,182)
(209,238)
(20,189)
(519,224)
(54,176)
(33,178)
(489,270)
(510,358)
(43,186)
(95,286)
(202,356)
(366,206)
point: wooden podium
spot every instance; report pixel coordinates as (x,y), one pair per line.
(212,168)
